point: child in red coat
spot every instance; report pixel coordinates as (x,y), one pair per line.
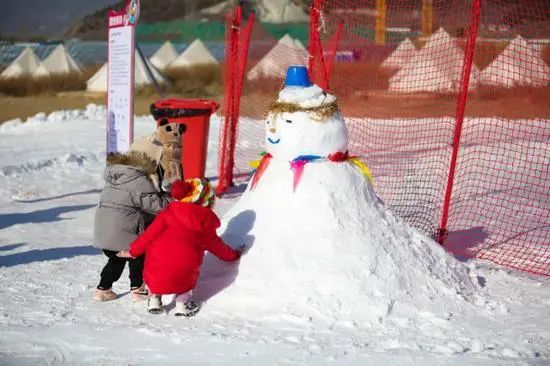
(175,243)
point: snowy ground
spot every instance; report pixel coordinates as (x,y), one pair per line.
(50,177)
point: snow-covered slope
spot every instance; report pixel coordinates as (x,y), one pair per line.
(50,176)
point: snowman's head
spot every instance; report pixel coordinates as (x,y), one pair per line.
(305,121)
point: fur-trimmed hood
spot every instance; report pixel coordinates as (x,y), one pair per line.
(134,159)
(123,168)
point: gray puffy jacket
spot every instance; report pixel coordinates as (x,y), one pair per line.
(128,201)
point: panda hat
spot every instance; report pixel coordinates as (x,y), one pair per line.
(149,146)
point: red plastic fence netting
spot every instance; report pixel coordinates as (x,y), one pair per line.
(265,68)
(448,104)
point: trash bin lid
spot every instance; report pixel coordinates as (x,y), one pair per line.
(174,108)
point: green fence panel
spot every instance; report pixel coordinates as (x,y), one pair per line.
(210,31)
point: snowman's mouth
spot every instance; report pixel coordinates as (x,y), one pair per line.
(273,141)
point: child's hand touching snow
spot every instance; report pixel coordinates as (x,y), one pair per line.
(124,254)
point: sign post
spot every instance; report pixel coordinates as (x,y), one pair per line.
(120,79)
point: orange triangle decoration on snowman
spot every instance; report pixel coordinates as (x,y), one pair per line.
(261,169)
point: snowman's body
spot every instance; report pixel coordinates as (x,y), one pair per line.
(327,246)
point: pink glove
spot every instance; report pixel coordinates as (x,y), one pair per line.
(124,254)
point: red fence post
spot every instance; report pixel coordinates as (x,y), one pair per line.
(316,63)
(244,45)
(313,28)
(460,109)
(225,171)
(238,53)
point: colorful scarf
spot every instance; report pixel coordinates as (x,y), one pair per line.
(297,166)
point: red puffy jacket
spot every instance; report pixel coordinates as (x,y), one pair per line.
(174,245)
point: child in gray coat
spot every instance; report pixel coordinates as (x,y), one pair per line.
(128,204)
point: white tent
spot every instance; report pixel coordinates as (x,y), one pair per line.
(274,64)
(25,64)
(437,67)
(518,64)
(98,82)
(299,45)
(401,55)
(58,62)
(195,54)
(287,40)
(165,55)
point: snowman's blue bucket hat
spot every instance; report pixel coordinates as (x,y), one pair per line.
(297,76)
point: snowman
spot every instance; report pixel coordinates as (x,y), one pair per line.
(321,245)
(303,126)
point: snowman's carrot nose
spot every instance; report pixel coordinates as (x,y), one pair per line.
(272,130)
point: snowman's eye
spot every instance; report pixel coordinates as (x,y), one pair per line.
(288,121)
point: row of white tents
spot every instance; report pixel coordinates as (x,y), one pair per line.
(60,62)
(437,67)
(57,62)
(286,52)
(166,57)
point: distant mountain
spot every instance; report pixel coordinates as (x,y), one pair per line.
(93,26)
(87,18)
(43,18)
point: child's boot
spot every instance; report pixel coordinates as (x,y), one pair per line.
(139,293)
(187,309)
(154,304)
(104,295)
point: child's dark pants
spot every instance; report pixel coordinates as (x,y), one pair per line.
(114,268)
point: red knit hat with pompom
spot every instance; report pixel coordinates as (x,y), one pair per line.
(196,190)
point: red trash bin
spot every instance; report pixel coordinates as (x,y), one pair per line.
(195,114)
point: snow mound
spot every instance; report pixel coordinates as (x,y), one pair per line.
(92,112)
(328,252)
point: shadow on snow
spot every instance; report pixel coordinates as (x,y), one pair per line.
(39,216)
(216,275)
(90,191)
(42,255)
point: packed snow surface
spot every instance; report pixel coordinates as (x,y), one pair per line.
(380,293)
